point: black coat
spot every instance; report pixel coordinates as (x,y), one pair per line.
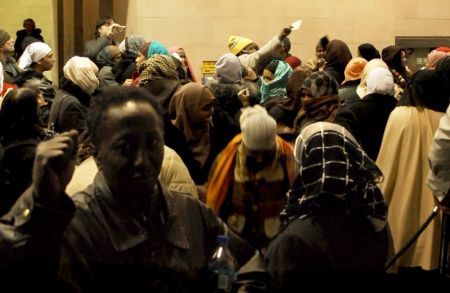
(366,120)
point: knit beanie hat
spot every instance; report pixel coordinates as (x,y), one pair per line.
(4,37)
(258,128)
(380,81)
(320,84)
(228,69)
(354,69)
(237,44)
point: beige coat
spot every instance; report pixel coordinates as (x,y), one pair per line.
(403,158)
(174,175)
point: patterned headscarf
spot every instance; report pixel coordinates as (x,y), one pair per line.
(276,87)
(157,67)
(320,101)
(333,170)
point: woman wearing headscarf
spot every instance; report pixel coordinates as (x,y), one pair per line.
(403,158)
(368,52)
(186,65)
(320,100)
(287,109)
(395,58)
(367,118)
(335,216)
(147,50)
(192,107)
(337,56)
(129,49)
(352,73)
(226,85)
(433,58)
(72,100)
(36,59)
(273,83)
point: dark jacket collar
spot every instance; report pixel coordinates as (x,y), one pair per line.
(127,230)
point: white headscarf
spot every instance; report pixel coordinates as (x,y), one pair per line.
(82,72)
(380,81)
(33,53)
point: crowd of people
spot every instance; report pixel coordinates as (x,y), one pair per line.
(122,177)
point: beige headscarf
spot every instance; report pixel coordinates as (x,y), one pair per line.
(82,72)
(185,104)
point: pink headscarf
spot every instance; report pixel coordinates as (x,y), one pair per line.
(190,70)
(434,57)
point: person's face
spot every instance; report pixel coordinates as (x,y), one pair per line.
(47,62)
(320,52)
(131,148)
(28,25)
(104,28)
(182,55)
(267,76)
(8,47)
(258,160)
(203,114)
(139,59)
(403,58)
(251,48)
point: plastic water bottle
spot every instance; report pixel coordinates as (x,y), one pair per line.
(222,265)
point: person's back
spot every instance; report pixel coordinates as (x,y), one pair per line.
(335,217)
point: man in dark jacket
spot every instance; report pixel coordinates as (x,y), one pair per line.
(128,231)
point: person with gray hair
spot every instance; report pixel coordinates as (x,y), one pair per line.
(249,179)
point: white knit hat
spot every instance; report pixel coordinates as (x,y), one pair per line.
(258,128)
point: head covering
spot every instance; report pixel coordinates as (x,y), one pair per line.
(393,58)
(185,104)
(433,58)
(258,128)
(354,69)
(148,49)
(368,51)
(190,69)
(293,61)
(33,53)
(237,44)
(322,43)
(131,44)
(294,92)
(320,101)
(228,69)
(157,67)
(82,72)
(335,173)
(276,87)
(337,56)
(320,84)
(380,81)
(443,49)
(4,37)
(361,90)
(425,89)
